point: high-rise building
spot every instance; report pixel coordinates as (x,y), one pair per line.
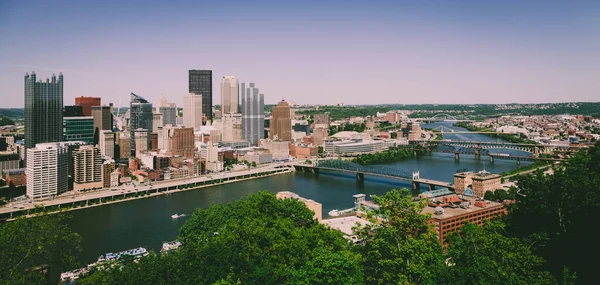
(281,122)
(157,121)
(229,95)
(140,117)
(107,143)
(47,170)
(72,111)
(253,114)
(87,103)
(193,110)
(182,142)
(43,110)
(123,140)
(78,129)
(322,120)
(103,120)
(168,111)
(200,83)
(141,137)
(87,162)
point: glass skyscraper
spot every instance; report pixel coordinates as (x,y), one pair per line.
(200,82)
(140,117)
(43,110)
(253,114)
(79,129)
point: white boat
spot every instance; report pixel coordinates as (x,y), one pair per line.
(170,246)
(334,213)
(175,216)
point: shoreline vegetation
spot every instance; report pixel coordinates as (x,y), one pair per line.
(386,156)
(507,137)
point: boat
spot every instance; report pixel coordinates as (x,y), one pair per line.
(136,253)
(170,246)
(177,216)
(334,213)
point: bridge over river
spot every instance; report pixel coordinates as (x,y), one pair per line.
(384,171)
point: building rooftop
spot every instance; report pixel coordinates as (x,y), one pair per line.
(345,224)
(452,206)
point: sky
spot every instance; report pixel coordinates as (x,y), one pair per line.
(308,52)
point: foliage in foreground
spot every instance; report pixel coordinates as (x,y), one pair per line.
(27,245)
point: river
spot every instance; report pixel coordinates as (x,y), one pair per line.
(148,223)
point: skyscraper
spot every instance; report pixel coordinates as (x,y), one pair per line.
(87,103)
(200,83)
(78,129)
(47,170)
(253,114)
(192,110)
(169,112)
(140,117)
(281,122)
(43,110)
(229,95)
(103,120)
(87,162)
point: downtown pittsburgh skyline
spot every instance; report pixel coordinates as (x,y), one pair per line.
(377,52)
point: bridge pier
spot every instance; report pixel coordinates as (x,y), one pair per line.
(518,161)
(431,187)
(456,156)
(477,153)
(491,159)
(315,170)
(360,177)
(416,186)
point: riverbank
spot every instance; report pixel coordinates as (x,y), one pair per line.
(111,196)
(507,137)
(386,156)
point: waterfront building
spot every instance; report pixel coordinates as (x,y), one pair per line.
(108,167)
(303,151)
(253,115)
(354,146)
(43,110)
(281,122)
(103,120)
(475,184)
(87,103)
(200,83)
(78,129)
(87,163)
(315,207)
(229,95)
(192,111)
(168,111)
(47,170)
(114,178)
(140,117)
(181,141)
(320,134)
(73,111)
(279,149)
(15,177)
(107,143)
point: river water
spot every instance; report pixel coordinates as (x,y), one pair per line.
(148,223)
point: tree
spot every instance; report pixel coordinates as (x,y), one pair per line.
(29,243)
(489,195)
(556,214)
(258,240)
(482,255)
(400,246)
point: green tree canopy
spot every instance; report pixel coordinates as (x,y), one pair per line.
(30,243)
(400,246)
(482,255)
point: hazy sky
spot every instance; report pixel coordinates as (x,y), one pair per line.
(356,52)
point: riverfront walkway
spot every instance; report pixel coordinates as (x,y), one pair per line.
(72,200)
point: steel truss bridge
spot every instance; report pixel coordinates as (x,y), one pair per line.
(444,117)
(445,130)
(483,148)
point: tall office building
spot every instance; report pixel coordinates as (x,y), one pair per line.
(87,162)
(78,129)
(87,103)
(72,111)
(229,95)
(193,110)
(43,110)
(140,117)
(168,110)
(281,122)
(253,114)
(140,144)
(103,120)
(47,170)
(107,143)
(200,83)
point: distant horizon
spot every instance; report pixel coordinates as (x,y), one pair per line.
(400,52)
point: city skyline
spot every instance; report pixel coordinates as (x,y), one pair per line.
(408,52)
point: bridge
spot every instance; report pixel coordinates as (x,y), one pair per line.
(383,171)
(479,148)
(444,117)
(445,130)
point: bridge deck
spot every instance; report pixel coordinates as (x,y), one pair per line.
(434,182)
